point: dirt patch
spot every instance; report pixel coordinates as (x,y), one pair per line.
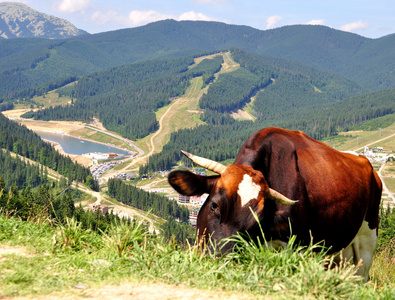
(195,111)
(51,126)
(241,114)
(145,291)
(81,159)
(6,250)
(16,113)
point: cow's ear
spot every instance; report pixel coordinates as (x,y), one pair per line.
(189,184)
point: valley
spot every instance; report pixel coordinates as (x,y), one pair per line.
(183,112)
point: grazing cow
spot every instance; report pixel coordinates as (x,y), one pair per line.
(337,195)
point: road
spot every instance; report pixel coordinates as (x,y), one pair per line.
(157,133)
(391,196)
(369,144)
(385,189)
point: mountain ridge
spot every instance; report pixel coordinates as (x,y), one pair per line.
(32,63)
(343,53)
(18,20)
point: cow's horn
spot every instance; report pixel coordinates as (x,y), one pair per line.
(206,163)
(279,198)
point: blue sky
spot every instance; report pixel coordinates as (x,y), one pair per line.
(371,19)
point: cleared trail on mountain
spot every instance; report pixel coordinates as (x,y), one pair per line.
(182,113)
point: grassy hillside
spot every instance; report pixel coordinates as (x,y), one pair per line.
(52,260)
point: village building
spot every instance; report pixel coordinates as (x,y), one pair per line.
(95,207)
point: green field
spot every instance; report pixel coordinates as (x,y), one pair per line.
(101,137)
(357,140)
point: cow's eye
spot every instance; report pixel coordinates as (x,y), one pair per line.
(214,206)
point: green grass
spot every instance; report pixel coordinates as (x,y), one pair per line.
(55,259)
(51,99)
(382,269)
(101,137)
(390,183)
(357,140)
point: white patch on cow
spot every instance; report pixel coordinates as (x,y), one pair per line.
(362,247)
(248,190)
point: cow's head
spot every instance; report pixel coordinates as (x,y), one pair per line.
(233,193)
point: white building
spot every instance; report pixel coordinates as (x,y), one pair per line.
(183,199)
(97,155)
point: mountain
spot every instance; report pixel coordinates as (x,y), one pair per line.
(18,20)
(125,98)
(368,62)
(27,64)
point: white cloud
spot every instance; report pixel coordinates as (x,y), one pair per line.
(140,17)
(272,21)
(194,16)
(100,18)
(71,6)
(355,26)
(316,22)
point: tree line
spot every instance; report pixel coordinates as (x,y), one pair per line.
(138,198)
(125,98)
(40,203)
(232,91)
(22,141)
(221,137)
(177,216)
(18,172)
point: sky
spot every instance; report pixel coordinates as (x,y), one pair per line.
(372,19)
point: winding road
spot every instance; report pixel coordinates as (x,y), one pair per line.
(391,196)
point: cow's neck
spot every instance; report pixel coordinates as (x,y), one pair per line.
(274,223)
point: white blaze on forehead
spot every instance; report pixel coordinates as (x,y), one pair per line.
(248,190)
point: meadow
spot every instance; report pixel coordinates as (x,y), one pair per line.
(44,259)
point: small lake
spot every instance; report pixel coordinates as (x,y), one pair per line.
(72,145)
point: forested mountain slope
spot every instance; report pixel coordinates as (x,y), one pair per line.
(287,86)
(221,138)
(125,98)
(27,63)
(24,142)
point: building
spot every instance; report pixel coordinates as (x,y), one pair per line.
(193,213)
(183,199)
(198,200)
(97,155)
(95,207)
(192,200)
(375,155)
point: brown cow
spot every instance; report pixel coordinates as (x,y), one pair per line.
(338,194)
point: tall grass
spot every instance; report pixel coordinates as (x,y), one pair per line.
(123,237)
(71,235)
(128,253)
(383,266)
